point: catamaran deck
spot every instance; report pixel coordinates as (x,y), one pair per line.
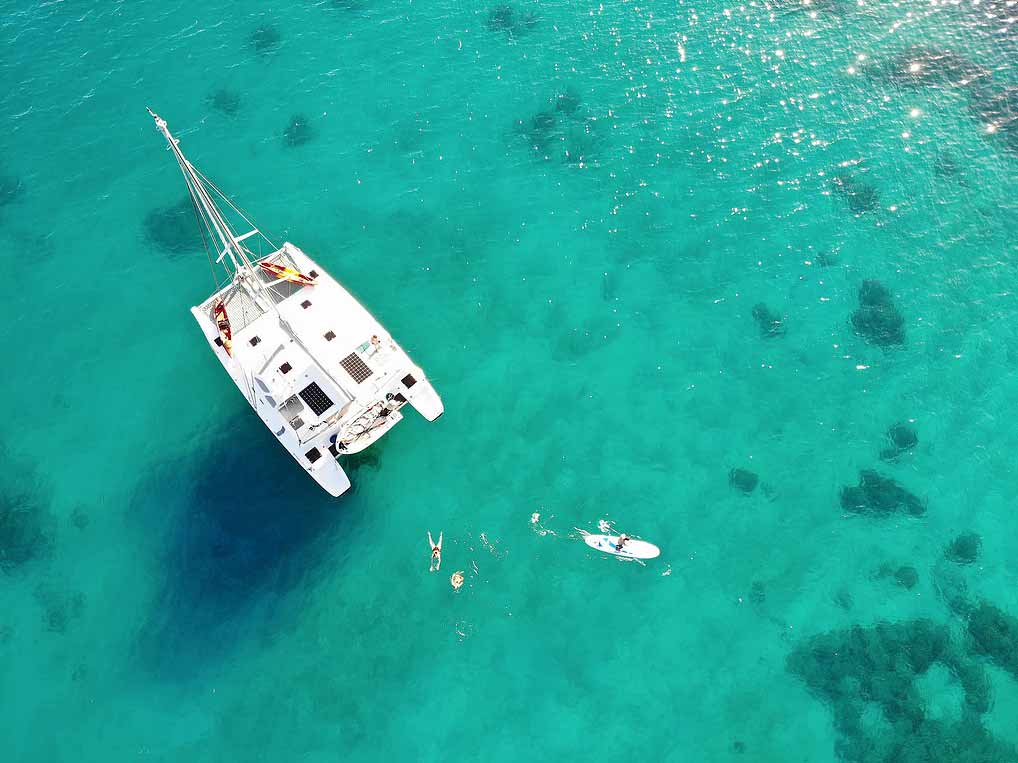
(240,307)
(332,329)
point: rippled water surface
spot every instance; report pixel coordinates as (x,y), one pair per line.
(736,278)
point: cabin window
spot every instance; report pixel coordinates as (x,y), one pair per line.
(306,304)
(329,336)
(254,341)
(285,368)
(409,381)
(219,341)
(313,455)
(313,273)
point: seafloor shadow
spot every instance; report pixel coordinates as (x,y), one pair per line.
(996,110)
(868,678)
(26,526)
(225,101)
(265,40)
(11,188)
(563,131)
(239,526)
(300,131)
(174,229)
(507,20)
(922,66)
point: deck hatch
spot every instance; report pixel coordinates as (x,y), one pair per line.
(317,400)
(291,407)
(356,367)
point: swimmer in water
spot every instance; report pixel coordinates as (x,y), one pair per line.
(457,580)
(436,553)
(622,541)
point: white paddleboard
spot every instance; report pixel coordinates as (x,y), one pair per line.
(633,549)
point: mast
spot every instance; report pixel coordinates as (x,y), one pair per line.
(200,188)
(213,218)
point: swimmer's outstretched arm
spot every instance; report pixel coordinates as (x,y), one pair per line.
(439,540)
(431,542)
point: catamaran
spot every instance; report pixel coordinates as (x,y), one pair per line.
(326,378)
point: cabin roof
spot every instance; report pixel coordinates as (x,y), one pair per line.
(322,323)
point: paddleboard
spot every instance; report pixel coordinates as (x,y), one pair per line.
(633,549)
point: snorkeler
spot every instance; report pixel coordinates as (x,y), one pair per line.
(622,541)
(436,553)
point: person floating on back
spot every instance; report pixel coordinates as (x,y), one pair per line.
(436,553)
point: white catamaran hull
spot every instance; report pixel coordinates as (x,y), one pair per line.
(326,471)
(320,371)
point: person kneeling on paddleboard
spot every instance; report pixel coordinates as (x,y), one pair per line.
(436,553)
(622,541)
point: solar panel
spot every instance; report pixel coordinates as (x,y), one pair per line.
(356,367)
(317,400)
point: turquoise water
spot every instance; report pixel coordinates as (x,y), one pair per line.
(569,215)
